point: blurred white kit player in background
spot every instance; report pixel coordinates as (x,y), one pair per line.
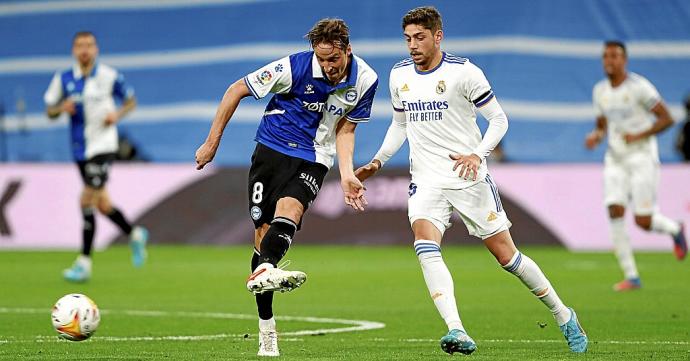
(624,103)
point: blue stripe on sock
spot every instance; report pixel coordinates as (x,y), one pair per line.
(428,251)
(427,247)
(516,264)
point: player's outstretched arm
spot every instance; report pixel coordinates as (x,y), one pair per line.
(353,190)
(226,109)
(128,105)
(663,122)
(364,172)
(597,135)
(394,139)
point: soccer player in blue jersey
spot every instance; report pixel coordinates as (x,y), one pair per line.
(318,99)
(87,93)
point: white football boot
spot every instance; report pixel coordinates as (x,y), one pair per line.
(267,278)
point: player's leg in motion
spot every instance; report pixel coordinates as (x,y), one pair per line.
(661,224)
(268,336)
(502,247)
(80,271)
(623,250)
(440,285)
(138,236)
(274,244)
(644,181)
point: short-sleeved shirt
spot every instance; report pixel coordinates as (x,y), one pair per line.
(627,109)
(440,111)
(301,117)
(94,97)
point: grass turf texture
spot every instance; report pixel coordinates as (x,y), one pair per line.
(382,284)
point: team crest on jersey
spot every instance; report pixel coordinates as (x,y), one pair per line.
(441,87)
(265,77)
(405,88)
(351,95)
(412,190)
(70,87)
(309,89)
(255,213)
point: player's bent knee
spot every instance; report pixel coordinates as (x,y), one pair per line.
(502,247)
(644,222)
(616,211)
(290,208)
(425,229)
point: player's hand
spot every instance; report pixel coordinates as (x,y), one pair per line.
(68,107)
(367,170)
(468,165)
(353,190)
(111,118)
(632,138)
(593,139)
(204,155)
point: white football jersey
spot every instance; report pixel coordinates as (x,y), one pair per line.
(439,108)
(627,110)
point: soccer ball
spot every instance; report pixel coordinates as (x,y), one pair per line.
(75,317)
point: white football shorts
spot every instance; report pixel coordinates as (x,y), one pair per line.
(479,206)
(633,178)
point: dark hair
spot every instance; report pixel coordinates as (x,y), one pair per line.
(331,31)
(617,43)
(81,34)
(426,16)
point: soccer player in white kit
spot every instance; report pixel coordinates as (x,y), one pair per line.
(625,104)
(435,96)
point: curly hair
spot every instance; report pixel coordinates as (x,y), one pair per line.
(426,16)
(330,31)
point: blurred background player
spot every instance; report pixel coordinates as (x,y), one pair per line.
(435,96)
(624,103)
(87,94)
(683,137)
(319,98)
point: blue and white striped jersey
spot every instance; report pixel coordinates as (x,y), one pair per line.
(94,97)
(301,117)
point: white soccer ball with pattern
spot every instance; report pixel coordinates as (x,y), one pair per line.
(75,317)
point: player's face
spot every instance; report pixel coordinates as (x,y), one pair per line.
(85,50)
(422,44)
(614,60)
(333,60)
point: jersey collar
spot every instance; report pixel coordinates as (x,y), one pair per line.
(76,70)
(443,58)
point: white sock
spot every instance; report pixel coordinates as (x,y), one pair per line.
(622,247)
(439,282)
(85,262)
(267,325)
(663,224)
(529,273)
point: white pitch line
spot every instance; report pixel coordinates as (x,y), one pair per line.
(353,325)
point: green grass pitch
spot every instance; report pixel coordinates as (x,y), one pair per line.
(190,303)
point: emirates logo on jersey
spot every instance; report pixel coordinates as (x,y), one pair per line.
(441,87)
